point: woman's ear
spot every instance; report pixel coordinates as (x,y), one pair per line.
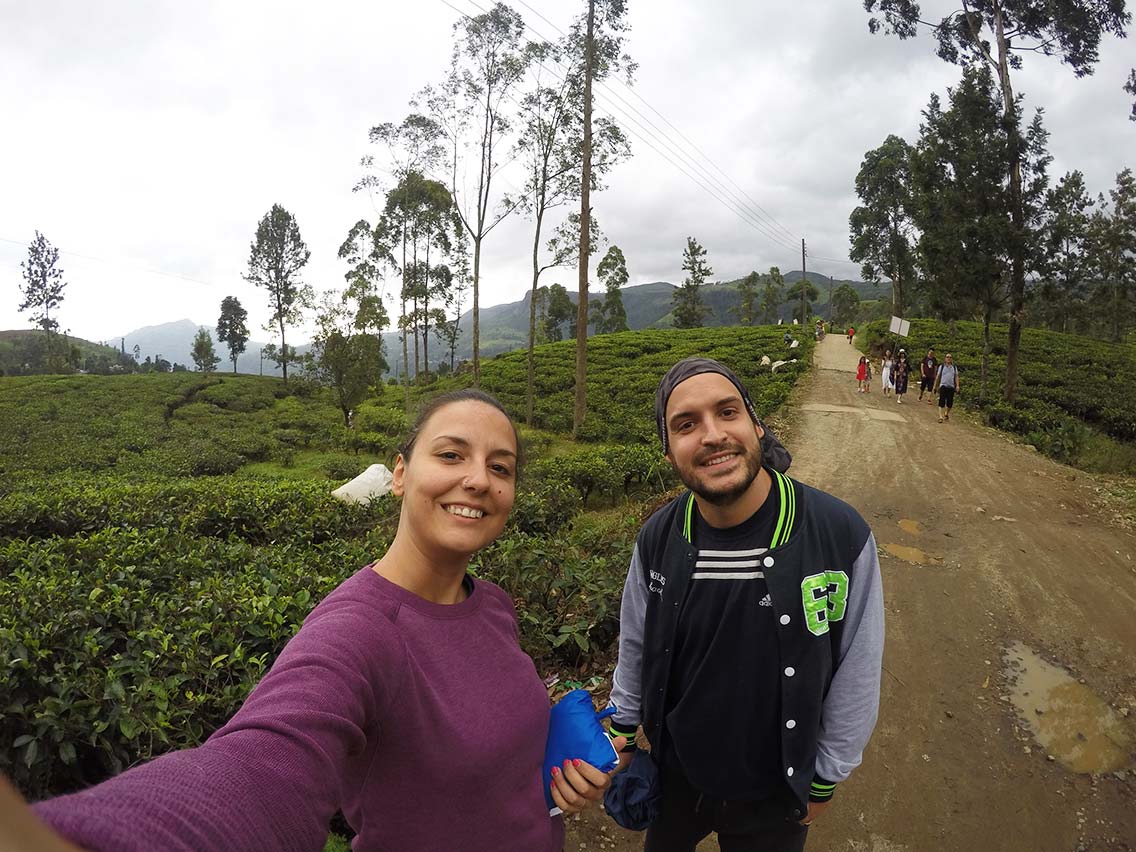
(398,476)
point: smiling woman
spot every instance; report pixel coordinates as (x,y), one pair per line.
(404,701)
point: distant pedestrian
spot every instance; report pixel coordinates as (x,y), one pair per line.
(868,375)
(927,369)
(851,333)
(900,373)
(947,383)
(887,364)
(862,375)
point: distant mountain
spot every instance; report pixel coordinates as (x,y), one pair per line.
(174,342)
(503,327)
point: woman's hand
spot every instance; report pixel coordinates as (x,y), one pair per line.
(576,784)
(20,830)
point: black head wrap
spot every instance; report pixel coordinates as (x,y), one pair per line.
(774,452)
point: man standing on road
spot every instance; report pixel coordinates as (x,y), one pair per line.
(851,333)
(927,369)
(751,630)
(947,384)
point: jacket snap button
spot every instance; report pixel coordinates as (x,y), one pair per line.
(792,723)
(789,771)
(789,672)
(784,619)
(768,561)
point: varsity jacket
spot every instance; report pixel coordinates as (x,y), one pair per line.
(823,577)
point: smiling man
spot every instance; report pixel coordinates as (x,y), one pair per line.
(751,630)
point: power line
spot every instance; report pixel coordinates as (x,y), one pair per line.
(764,213)
(715,189)
(120,265)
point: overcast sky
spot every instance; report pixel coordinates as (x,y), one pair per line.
(146,139)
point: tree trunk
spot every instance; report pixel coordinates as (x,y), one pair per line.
(1017,213)
(530,381)
(1117,325)
(476,321)
(581,409)
(405,352)
(283,352)
(414,300)
(426,311)
(986,311)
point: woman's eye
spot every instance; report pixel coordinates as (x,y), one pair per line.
(729,412)
(501,469)
(449,455)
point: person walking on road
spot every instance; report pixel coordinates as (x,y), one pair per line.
(887,364)
(862,375)
(753,615)
(901,371)
(927,368)
(947,384)
(851,333)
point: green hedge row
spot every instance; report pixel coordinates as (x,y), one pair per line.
(1064,380)
(257,511)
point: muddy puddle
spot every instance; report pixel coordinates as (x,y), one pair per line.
(910,526)
(908,554)
(1071,722)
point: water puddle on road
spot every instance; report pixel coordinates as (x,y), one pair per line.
(908,554)
(1069,720)
(910,526)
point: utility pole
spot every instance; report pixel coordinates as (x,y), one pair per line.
(804,282)
(581,407)
(830,298)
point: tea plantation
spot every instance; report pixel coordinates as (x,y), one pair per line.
(1075,400)
(163,535)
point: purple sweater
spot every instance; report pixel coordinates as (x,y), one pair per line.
(424,723)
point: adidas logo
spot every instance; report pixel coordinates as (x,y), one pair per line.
(765,601)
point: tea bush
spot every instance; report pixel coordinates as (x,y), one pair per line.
(144,590)
(1068,386)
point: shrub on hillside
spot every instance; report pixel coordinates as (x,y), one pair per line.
(1065,382)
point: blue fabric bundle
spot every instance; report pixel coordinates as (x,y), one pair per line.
(635,797)
(575,732)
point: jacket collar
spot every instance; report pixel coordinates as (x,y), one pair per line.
(786,526)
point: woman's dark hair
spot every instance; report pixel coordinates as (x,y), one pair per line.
(437,403)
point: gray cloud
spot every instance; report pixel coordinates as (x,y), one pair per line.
(155,135)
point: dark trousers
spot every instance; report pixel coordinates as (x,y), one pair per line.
(687,817)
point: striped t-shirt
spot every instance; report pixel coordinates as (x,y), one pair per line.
(724,681)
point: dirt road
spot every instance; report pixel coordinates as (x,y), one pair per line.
(989,552)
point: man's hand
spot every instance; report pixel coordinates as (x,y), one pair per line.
(816,811)
(577,784)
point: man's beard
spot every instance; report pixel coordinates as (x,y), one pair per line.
(725,496)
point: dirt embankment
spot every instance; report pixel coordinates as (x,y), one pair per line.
(995,560)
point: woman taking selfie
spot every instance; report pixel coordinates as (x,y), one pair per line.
(405,700)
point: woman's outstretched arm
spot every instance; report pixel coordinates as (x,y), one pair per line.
(270,779)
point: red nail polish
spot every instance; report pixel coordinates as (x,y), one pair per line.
(576,761)
(555,771)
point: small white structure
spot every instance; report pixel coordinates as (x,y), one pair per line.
(374,482)
(765,362)
(794,344)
